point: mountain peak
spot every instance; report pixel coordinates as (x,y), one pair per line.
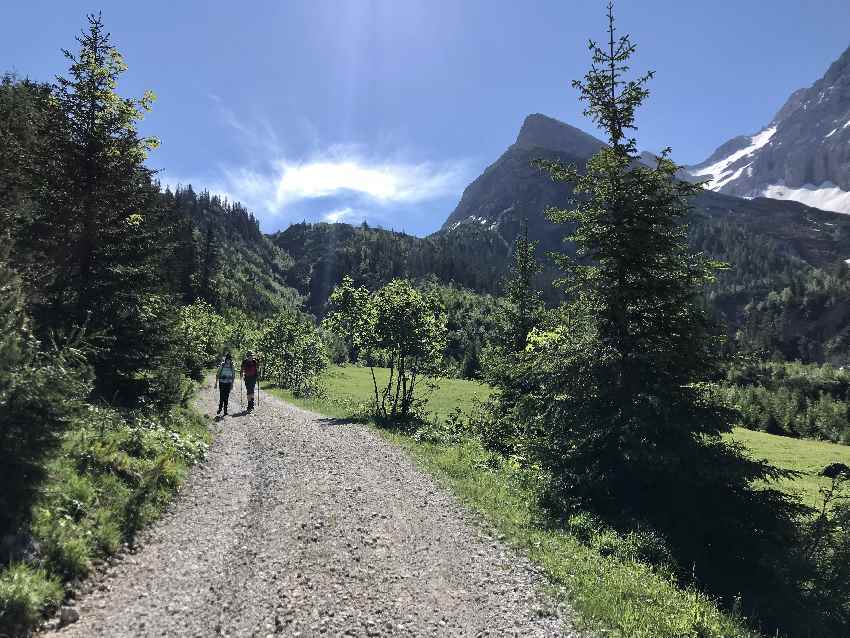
(541,131)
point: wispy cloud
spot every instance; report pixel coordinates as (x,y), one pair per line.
(340,182)
(346,214)
(382,183)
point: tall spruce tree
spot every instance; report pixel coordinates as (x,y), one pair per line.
(629,428)
(639,288)
(96,243)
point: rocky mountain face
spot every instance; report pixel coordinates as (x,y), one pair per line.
(512,190)
(802,155)
(772,245)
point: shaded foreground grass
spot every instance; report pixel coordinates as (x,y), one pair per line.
(612,593)
(111,476)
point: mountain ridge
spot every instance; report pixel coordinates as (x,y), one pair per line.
(803,154)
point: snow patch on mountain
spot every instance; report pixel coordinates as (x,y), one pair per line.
(719,171)
(827,196)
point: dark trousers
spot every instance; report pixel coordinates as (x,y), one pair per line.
(250,383)
(223,395)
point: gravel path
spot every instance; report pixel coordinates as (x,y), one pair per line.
(298,525)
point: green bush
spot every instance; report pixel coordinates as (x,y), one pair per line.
(202,335)
(292,352)
(25,594)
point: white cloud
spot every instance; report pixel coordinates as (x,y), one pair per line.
(335,174)
(284,180)
(339,215)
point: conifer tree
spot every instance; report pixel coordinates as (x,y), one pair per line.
(631,428)
(628,427)
(210,265)
(504,425)
(97,240)
(523,305)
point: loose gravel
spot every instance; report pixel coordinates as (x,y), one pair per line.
(300,525)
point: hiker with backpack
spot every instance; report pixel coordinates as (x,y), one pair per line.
(249,372)
(224,377)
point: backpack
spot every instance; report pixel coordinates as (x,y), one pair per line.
(226,373)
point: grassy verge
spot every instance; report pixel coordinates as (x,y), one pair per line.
(112,475)
(605,581)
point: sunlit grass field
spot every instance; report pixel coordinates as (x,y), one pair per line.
(356,385)
(801,455)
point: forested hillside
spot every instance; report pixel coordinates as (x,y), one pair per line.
(323,254)
(223,258)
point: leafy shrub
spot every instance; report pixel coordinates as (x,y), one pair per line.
(292,353)
(449,431)
(202,333)
(25,594)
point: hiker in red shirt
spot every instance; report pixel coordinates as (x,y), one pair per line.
(249,373)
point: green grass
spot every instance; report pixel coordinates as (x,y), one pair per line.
(609,587)
(612,592)
(807,457)
(109,478)
(355,385)
(25,594)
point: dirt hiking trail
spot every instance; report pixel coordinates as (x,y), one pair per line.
(299,525)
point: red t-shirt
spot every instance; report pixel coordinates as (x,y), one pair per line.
(249,368)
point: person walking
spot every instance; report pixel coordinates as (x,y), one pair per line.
(224,378)
(249,373)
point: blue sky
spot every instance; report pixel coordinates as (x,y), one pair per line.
(386,109)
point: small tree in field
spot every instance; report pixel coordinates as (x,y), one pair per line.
(400,326)
(408,328)
(346,315)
